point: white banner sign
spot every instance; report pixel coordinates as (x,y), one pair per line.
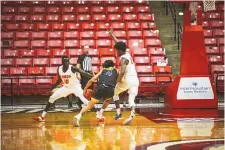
(195,88)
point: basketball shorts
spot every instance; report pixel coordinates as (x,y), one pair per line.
(65,91)
(103,92)
(131,83)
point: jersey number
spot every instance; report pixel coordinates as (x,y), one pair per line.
(66,81)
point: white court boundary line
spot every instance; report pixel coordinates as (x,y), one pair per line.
(163,146)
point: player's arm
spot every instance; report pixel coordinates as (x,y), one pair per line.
(123,66)
(78,75)
(112,35)
(79,62)
(83,73)
(58,81)
(91,81)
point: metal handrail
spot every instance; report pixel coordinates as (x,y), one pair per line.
(179,34)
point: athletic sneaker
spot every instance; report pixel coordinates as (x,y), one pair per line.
(99,115)
(76,120)
(128,121)
(118,117)
(41,119)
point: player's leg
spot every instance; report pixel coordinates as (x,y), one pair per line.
(59,93)
(99,114)
(83,111)
(78,91)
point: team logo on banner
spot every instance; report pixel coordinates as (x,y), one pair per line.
(195,88)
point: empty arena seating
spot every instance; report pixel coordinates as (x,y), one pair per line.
(36,34)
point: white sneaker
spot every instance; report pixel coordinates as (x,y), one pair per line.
(76,120)
(99,115)
(128,121)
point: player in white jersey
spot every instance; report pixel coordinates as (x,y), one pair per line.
(127,80)
(71,85)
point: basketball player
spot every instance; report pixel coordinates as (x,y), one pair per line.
(105,89)
(127,80)
(71,85)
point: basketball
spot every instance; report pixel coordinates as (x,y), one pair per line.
(88,94)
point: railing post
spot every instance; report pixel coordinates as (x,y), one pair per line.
(166,3)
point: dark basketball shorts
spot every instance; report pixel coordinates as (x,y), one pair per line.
(103,92)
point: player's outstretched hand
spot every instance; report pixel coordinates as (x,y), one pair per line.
(84,92)
(110,30)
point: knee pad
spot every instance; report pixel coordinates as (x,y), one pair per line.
(116,98)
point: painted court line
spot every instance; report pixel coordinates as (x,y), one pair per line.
(16,111)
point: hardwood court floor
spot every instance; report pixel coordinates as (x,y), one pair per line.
(149,130)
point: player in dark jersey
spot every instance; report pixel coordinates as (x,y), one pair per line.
(105,89)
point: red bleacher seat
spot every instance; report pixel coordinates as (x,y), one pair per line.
(7,35)
(51,70)
(153,51)
(217,69)
(145,17)
(22,3)
(102,34)
(153,42)
(38,44)
(106,52)
(22,44)
(112,9)
(215,59)
(54,44)
(143,69)
(95,69)
(87,35)
(87,26)
(127,9)
(11,53)
(9,62)
(82,9)
(20,71)
(99,17)
(146,81)
(162,69)
(7,18)
(22,18)
(38,35)
(43,27)
(73,26)
(212,50)
(93,52)
(118,26)
(135,43)
(5,3)
(43,86)
(151,33)
(41,61)
(20,62)
(221,47)
(75,52)
(68,9)
(220,40)
(27,53)
(132,26)
(39,10)
(43,53)
(55,61)
(142,9)
(139,51)
(26,86)
(55,35)
(24,10)
(104,43)
(68,18)
(210,41)
(130,17)
(103,59)
(89,42)
(164,80)
(26,27)
(38,3)
(11,27)
(73,60)
(102,26)
(8,10)
(4,71)
(205,25)
(97,9)
(83,17)
(97,3)
(114,17)
(53,9)
(58,27)
(120,34)
(53,18)
(155,58)
(22,35)
(142,60)
(95,61)
(53,3)
(218,32)
(37,18)
(216,24)
(212,16)
(7,44)
(134,34)
(71,44)
(72,35)
(208,33)
(9,87)
(36,71)
(59,52)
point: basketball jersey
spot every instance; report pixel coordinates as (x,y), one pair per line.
(69,78)
(130,69)
(108,77)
